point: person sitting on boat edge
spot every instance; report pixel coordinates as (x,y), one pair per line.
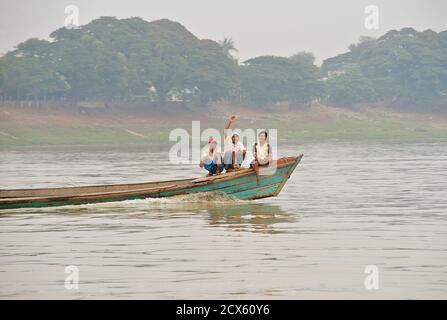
(211,158)
(262,153)
(234,150)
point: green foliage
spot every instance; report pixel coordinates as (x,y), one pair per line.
(128,59)
(349,87)
(227,45)
(270,79)
(26,77)
(132,59)
(405,68)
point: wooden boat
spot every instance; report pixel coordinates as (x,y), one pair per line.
(241,183)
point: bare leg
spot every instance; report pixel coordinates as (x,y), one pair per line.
(218,164)
(256,169)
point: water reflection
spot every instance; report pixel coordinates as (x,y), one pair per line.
(230,213)
(261,218)
(236,216)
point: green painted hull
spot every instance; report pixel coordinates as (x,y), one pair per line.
(241,184)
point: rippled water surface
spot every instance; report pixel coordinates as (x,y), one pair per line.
(345,207)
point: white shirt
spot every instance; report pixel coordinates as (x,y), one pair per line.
(230,146)
(206,154)
(262,152)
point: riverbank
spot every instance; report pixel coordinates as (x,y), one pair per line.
(28,126)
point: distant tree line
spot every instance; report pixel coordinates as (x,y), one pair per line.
(131,59)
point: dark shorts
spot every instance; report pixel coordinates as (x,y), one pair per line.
(259,164)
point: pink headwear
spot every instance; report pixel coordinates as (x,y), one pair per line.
(212,140)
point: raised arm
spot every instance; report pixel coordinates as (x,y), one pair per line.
(228,125)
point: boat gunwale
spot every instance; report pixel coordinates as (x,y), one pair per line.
(96,186)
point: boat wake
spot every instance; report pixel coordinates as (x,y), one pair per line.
(199,199)
(202,197)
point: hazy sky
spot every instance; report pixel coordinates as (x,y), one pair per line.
(258,27)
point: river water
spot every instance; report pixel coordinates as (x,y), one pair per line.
(348,208)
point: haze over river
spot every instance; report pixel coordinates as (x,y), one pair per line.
(347,206)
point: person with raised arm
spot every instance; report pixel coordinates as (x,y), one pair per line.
(234,150)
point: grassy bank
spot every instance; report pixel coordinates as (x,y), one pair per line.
(348,130)
(26,128)
(366,130)
(82,135)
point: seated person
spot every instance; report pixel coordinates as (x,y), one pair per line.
(262,151)
(211,158)
(234,149)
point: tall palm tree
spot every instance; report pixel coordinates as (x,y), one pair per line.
(227,45)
